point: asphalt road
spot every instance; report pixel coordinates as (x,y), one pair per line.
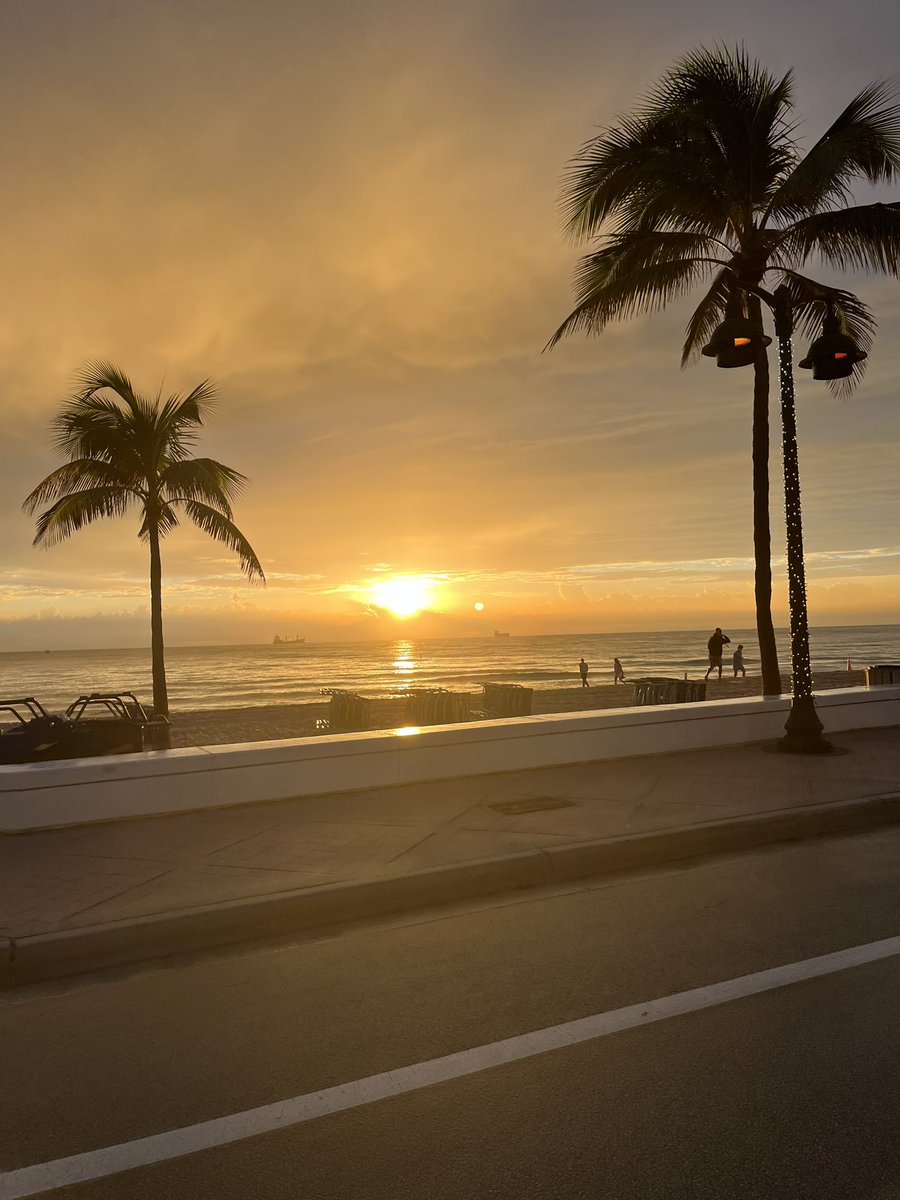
(791,1093)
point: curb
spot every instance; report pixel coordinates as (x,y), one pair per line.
(120,943)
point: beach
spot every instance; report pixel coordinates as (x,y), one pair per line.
(276,722)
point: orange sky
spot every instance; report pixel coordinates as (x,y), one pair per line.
(345,215)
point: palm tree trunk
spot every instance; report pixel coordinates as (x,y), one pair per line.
(762,539)
(157,652)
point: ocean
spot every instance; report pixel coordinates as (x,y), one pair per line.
(205,677)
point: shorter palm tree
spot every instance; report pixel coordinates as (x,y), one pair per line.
(125,450)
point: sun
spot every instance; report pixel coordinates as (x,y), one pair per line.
(404,596)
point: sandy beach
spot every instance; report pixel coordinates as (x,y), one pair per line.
(263,723)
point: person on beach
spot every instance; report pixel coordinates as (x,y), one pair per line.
(618,671)
(714,645)
(584,668)
(737,661)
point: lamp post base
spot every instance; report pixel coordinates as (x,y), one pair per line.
(803,730)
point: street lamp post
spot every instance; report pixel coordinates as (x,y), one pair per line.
(832,356)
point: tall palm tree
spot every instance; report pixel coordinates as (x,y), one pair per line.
(125,450)
(706,182)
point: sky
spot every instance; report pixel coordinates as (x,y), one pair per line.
(346,216)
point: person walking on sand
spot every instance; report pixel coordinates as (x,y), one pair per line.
(737,661)
(714,645)
(618,671)
(584,668)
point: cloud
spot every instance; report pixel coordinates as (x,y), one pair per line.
(346,215)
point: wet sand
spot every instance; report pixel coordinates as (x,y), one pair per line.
(263,723)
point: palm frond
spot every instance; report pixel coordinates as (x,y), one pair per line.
(73,512)
(748,142)
(202,479)
(603,293)
(106,419)
(646,245)
(863,142)
(639,173)
(134,411)
(863,238)
(808,303)
(704,152)
(181,416)
(219,527)
(99,374)
(706,316)
(720,73)
(166,519)
(76,476)
(90,426)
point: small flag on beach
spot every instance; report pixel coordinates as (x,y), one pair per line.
(849,665)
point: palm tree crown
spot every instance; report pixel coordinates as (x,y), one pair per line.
(707,180)
(706,183)
(123,450)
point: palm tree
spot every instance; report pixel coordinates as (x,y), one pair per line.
(125,450)
(706,182)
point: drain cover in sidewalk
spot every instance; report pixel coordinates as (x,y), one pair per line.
(512,808)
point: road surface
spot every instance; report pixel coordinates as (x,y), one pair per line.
(789,1089)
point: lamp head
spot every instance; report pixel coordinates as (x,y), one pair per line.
(734,342)
(834,354)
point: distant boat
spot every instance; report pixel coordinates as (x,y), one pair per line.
(501,633)
(278,640)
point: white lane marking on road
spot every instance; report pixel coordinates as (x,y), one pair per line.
(176,1143)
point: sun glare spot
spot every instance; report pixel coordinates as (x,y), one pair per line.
(478,606)
(404,595)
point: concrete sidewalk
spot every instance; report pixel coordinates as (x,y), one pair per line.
(79,898)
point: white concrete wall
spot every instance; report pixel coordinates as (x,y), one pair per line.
(76,791)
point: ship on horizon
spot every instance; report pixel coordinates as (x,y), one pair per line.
(501,633)
(278,640)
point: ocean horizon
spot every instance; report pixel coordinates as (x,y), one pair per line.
(230,676)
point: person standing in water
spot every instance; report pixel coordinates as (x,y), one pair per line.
(618,671)
(584,668)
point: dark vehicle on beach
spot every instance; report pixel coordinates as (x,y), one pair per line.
(97,723)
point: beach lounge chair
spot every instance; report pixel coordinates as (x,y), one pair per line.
(668,691)
(883,673)
(348,712)
(437,706)
(500,700)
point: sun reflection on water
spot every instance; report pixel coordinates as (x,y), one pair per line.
(404,663)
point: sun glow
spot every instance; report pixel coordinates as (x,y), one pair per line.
(404,595)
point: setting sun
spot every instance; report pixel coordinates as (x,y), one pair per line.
(403,596)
